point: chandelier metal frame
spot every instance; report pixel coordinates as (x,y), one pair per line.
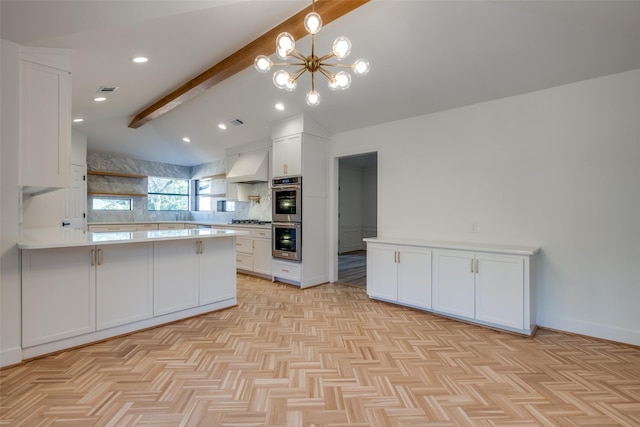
(285,49)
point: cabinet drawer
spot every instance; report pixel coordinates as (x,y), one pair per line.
(146,227)
(170,226)
(286,270)
(261,233)
(244,261)
(244,245)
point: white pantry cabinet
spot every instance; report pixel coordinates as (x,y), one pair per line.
(45,119)
(487,284)
(399,274)
(124,283)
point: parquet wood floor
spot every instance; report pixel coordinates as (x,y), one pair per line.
(326,356)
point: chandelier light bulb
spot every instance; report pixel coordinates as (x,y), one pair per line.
(262,63)
(341,47)
(343,80)
(291,85)
(282,54)
(313,23)
(313,98)
(285,43)
(361,67)
(280,79)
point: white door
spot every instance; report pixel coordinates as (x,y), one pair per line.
(454,283)
(75,211)
(500,290)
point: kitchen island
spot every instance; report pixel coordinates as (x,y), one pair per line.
(81,287)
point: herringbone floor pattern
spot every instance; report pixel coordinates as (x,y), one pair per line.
(326,356)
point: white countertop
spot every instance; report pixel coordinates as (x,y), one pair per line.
(208,224)
(45,238)
(467,246)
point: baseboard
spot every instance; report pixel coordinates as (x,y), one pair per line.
(10,357)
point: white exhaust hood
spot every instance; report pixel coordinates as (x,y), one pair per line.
(250,167)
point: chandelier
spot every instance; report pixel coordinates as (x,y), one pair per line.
(286,49)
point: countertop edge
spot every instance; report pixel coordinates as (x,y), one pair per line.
(81,239)
(468,246)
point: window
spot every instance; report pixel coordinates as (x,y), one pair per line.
(168,194)
(111,204)
(206,190)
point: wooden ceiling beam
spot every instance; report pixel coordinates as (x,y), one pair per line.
(329,10)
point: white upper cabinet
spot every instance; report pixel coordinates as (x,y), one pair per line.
(287,156)
(45,119)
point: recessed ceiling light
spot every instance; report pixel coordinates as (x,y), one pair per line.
(222,126)
(139,59)
(99,99)
(186,140)
(279,106)
(78,120)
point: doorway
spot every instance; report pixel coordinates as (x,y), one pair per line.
(357,215)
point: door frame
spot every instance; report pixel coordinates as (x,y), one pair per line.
(334,205)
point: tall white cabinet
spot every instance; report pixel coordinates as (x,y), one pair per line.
(45,119)
(300,147)
(487,284)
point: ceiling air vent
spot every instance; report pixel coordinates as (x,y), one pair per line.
(107,89)
(236,122)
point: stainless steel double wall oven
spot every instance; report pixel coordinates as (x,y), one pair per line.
(287,218)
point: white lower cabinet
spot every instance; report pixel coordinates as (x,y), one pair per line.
(262,256)
(399,274)
(124,284)
(493,289)
(216,271)
(490,286)
(188,273)
(73,291)
(58,294)
(176,272)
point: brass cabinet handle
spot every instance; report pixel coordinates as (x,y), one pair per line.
(472,265)
(93,257)
(476,265)
(100,257)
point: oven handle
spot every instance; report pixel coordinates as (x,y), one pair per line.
(286,187)
(286,224)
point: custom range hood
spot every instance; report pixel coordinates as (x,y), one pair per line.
(249,167)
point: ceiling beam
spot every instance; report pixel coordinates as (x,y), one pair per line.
(329,10)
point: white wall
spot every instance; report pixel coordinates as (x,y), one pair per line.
(558,168)
(10,315)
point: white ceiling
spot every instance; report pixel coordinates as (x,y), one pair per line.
(426,56)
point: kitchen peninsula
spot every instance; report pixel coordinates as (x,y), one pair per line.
(80,287)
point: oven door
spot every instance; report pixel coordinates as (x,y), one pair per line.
(287,241)
(287,203)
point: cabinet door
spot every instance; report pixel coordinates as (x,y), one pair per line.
(382,272)
(217,270)
(414,277)
(500,290)
(262,256)
(46,126)
(124,285)
(454,283)
(287,156)
(175,275)
(58,294)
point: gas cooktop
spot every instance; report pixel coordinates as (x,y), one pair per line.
(250,221)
